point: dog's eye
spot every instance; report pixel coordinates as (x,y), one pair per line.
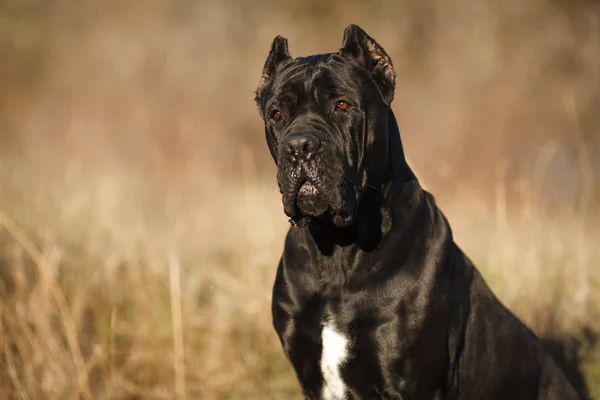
(342,105)
(276,115)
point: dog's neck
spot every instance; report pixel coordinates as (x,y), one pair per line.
(375,215)
(402,173)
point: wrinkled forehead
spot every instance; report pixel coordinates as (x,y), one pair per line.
(322,75)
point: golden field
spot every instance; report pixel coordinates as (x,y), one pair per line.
(140,222)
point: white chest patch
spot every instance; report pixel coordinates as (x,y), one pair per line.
(335,352)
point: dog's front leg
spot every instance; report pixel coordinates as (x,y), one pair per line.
(298,325)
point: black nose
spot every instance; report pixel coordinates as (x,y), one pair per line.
(301,144)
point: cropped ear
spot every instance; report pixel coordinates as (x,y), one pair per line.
(371,56)
(278,55)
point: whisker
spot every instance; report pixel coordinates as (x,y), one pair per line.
(366,184)
(373,187)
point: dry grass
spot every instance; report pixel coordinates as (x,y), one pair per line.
(140,225)
(148,321)
(86,316)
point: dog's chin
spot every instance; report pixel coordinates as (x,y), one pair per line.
(310,201)
(311,204)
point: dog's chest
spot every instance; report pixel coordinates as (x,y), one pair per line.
(335,352)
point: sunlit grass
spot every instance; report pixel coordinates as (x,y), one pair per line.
(93,315)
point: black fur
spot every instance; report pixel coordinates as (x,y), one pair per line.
(373,252)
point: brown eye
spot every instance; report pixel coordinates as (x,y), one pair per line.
(276,115)
(342,105)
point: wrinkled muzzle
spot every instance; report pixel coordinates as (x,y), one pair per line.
(313,180)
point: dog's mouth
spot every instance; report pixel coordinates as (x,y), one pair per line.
(307,199)
(307,189)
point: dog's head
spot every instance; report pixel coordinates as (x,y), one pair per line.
(326,119)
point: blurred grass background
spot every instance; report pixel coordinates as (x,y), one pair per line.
(140,223)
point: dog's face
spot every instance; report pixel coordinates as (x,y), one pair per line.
(325,118)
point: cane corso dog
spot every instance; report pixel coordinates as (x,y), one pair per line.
(372,298)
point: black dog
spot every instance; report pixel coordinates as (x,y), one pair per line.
(373,299)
